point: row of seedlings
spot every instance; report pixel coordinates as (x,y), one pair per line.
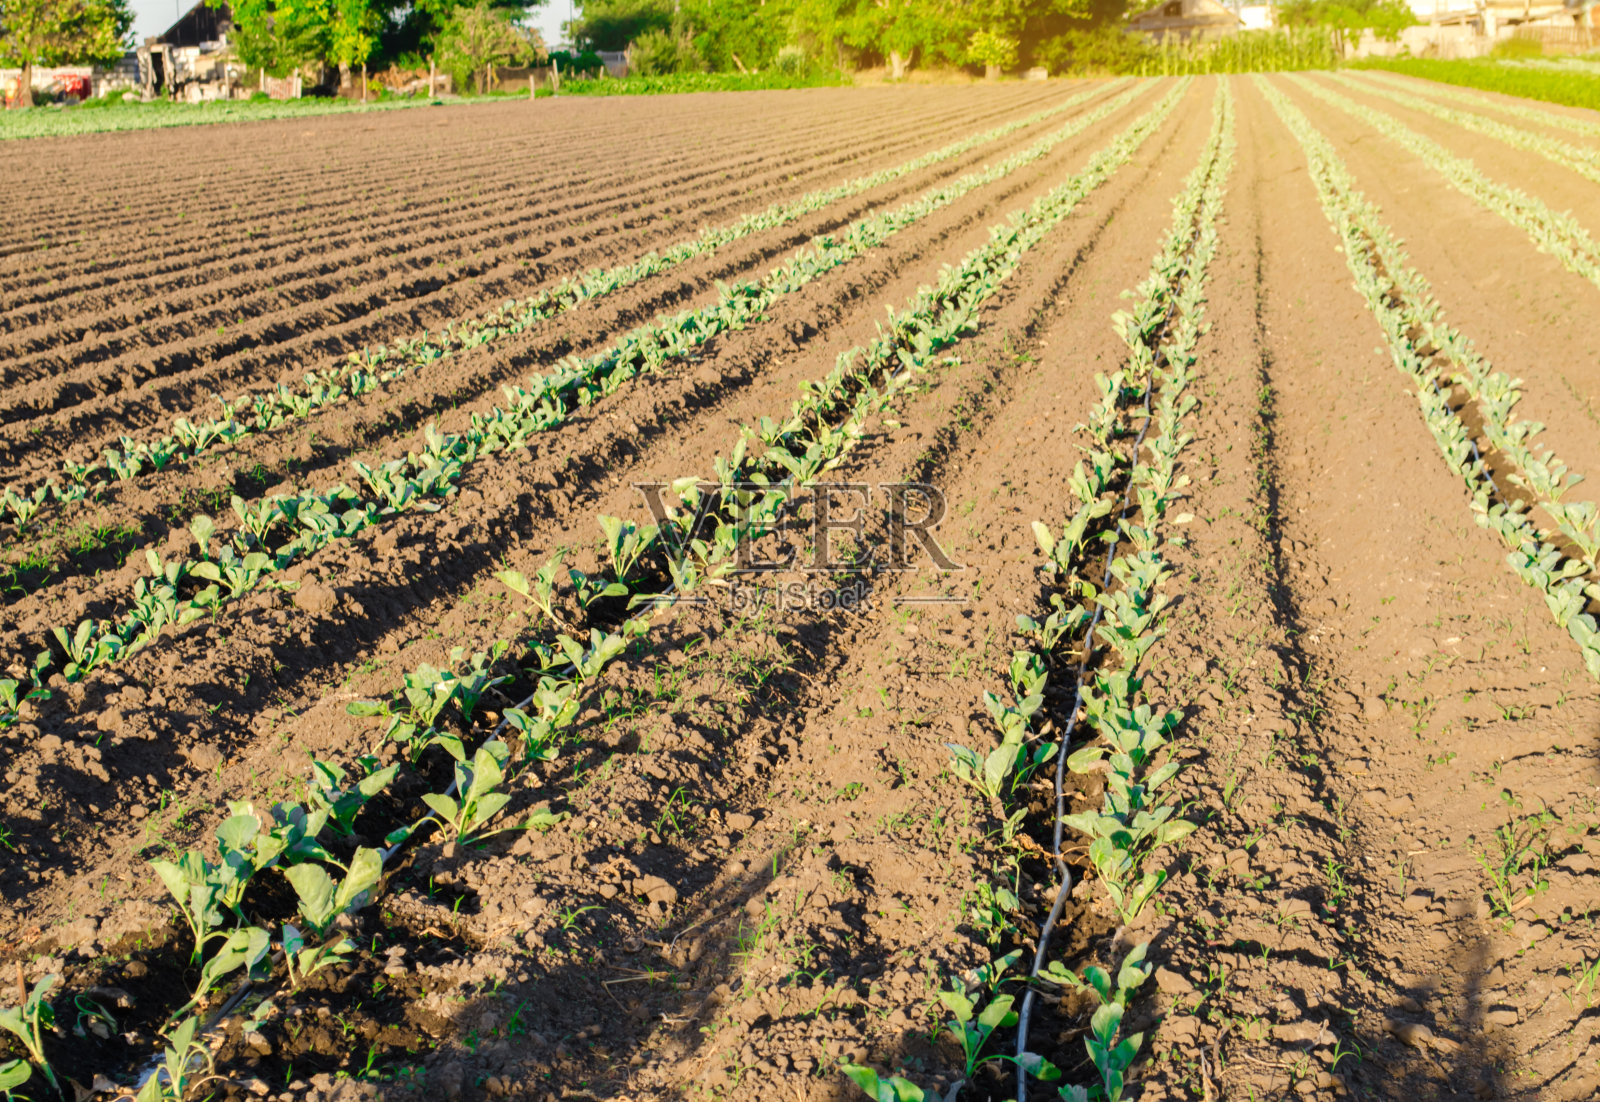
(184,591)
(1560,565)
(436,709)
(1505,106)
(368,370)
(1585,162)
(1555,232)
(1106,614)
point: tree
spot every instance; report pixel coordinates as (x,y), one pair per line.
(61,32)
(999,26)
(730,34)
(614,24)
(901,30)
(279,36)
(1384,18)
(420,25)
(351,36)
(480,37)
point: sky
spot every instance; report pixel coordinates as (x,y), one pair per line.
(154,16)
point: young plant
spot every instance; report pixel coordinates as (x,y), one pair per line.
(326,793)
(1111,1057)
(321,901)
(475,802)
(187,1065)
(29,1023)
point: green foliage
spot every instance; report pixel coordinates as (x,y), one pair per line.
(1111,1056)
(613,24)
(1575,89)
(279,36)
(1384,18)
(659,53)
(1517,49)
(574,65)
(476,802)
(700,82)
(1097,49)
(29,1023)
(61,32)
(1105,49)
(132,115)
(1403,303)
(992,50)
(187,1064)
(352,32)
(472,40)
(893,1089)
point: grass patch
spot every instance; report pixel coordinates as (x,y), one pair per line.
(700,82)
(93,117)
(1572,89)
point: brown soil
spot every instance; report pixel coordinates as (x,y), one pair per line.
(768,866)
(1520,300)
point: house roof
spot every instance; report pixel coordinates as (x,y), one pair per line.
(201,23)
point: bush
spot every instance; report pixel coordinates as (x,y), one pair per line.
(658,53)
(1517,48)
(1104,49)
(791,61)
(572,64)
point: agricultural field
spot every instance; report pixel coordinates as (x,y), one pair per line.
(1056,591)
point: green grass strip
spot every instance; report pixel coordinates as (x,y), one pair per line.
(59,122)
(679,83)
(1570,89)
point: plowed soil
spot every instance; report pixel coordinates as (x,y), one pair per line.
(767,865)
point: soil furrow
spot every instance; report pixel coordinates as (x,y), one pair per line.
(631,179)
(411,249)
(486,138)
(1518,305)
(338,338)
(382,420)
(537,507)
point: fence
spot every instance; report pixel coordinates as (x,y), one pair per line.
(1562,40)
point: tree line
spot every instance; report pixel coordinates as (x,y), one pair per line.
(992,35)
(468,37)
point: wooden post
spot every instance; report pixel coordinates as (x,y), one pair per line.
(555,77)
(431,92)
(531,96)
(363,82)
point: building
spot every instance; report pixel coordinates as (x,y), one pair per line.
(191,60)
(1186,20)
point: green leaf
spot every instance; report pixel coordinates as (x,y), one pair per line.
(894,1089)
(366,869)
(998,1013)
(316,891)
(958,1004)
(14,1073)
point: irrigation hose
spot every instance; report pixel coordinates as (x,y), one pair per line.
(1061,760)
(1025,1015)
